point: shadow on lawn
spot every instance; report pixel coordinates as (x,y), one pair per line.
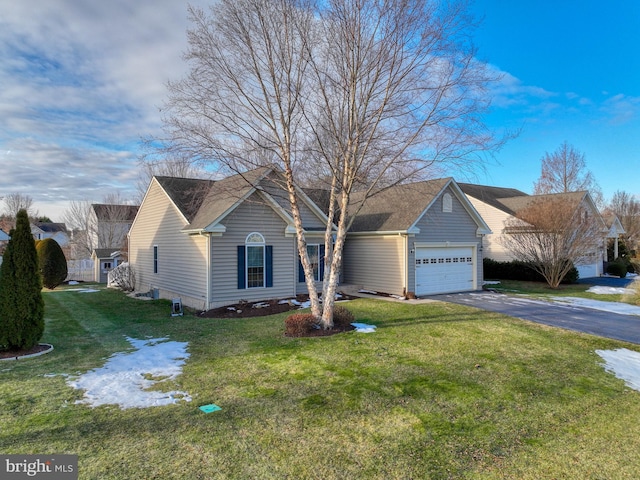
(453,317)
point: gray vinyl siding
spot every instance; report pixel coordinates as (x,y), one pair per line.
(375,263)
(441,227)
(181,258)
(252,216)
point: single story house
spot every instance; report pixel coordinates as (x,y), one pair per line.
(498,206)
(213,243)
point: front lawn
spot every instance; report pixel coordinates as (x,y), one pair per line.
(438,391)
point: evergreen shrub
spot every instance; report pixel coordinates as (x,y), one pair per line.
(21,303)
(617,268)
(51,262)
(517,270)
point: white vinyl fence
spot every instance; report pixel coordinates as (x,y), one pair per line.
(81,270)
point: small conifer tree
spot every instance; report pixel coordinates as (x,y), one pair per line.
(52,262)
(21,303)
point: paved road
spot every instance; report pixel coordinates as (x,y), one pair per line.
(596,322)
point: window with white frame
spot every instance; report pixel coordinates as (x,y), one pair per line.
(255,260)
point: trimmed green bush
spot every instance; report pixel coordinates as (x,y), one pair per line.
(342,317)
(21,303)
(299,324)
(51,262)
(618,268)
(516,270)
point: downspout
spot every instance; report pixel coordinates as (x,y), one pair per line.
(405,273)
(208,281)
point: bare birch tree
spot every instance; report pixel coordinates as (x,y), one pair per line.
(552,234)
(365,94)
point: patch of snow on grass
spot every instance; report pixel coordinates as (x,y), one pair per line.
(600,290)
(613,307)
(624,364)
(126,377)
(364,328)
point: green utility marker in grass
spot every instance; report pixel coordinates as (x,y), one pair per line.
(210,408)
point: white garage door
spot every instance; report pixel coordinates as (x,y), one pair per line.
(444,270)
(587,271)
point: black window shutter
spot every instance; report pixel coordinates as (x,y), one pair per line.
(241,268)
(268,256)
(321,261)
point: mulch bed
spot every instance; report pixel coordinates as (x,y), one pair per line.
(262,309)
(21,353)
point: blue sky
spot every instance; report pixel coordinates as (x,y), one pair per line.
(81,82)
(571,73)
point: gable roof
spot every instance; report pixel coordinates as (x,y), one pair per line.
(51,227)
(396,208)
(205,203)
(224,195)
(399,208)
(515,204)
(614,225)
(491,195)
(109,212)
(186,194)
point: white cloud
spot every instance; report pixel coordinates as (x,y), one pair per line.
(510,91)
(621,109)
(81,85)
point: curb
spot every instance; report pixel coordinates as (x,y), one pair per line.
(30,355)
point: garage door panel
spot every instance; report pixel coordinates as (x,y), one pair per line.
(443,270)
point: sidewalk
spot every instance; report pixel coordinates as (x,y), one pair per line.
(357,291)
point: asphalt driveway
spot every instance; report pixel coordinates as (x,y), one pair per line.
(596,322)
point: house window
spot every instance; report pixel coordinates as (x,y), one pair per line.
(155,259)
(255,252)
(316,258)
(313,251)
(447,203)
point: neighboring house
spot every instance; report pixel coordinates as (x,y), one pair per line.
(57,231)
(105,260)
(498,206)
(4,239)
(614,230)
(423,237)
(109,224)
(213,243)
